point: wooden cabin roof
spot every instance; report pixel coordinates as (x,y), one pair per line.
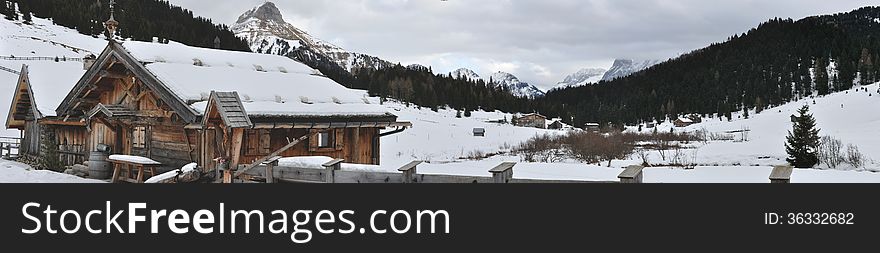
(228,106)
(268,86)
(112,111)
(41,86)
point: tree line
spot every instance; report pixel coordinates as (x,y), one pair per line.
(138,19)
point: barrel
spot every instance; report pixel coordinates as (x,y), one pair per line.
(99,168)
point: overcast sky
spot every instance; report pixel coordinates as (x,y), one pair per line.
(540,41)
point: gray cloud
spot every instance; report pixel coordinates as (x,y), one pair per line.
(539,41)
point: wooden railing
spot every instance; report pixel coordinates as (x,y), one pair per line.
(332,173)
(10,146)
(10,70)
(408,174)
(40,58)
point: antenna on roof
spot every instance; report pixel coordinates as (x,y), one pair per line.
(111,24)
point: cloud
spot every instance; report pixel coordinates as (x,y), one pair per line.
(539,41)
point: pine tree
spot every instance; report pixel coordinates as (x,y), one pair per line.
(745,112)
(458,114)
(802,143)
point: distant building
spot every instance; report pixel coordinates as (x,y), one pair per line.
(592,127)
(650,125)
(531,120)
(683,122)
(479,132)
(556,125)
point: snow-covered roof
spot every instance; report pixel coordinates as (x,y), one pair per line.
(685,120)
(51,81)
(268,85)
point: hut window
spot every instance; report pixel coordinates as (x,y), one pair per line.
(257,142)
(324,140)
(139,137)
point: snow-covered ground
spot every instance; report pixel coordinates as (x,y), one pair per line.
(443,140)
(14,172)
(446,141)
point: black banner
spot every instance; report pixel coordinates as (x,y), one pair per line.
(400,218)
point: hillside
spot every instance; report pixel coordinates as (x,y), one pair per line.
(778,62)
(139,20)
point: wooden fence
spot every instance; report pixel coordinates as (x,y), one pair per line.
(40,58)
(270,172)
(503,173)
(10,70)
(10,146)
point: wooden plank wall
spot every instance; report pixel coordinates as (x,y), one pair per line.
(357,144)
(71,141)
(30,145)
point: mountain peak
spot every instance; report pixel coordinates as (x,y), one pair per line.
(465,73)
(266,12)
(517,88)
(582,77)
(625,67)
(266,31)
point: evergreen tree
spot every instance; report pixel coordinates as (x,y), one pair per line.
(8,9)
(467,113)
(458,114)
(802,143)
(745,112)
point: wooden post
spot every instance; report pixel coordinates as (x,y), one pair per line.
(503,173)
(330,169)
(781,175)
(410,175)
(631,175)
(270,167)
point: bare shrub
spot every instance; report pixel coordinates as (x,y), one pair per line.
(829,151)
(541,148)
(855,157)
(643,155)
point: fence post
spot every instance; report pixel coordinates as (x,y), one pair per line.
(330,169)
(631,175)
(409,172)
(781,174)
(270,169)
(503,173)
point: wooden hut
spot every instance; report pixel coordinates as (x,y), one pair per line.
(177,104)
(531,120)
(39,89)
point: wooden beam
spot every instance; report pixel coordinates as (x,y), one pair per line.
(274,154)
(503,173)
(237,137)
(409,172)
(112,74)
(781,174)
(631,175)
(331,167)
(62,123)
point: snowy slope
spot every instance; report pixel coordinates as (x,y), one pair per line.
(582,77)
(449,138)
(515,86)
(850,116)
(42,39)
(267,32)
